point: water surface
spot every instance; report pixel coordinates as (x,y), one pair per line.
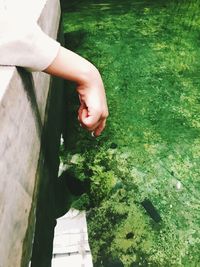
(148,55)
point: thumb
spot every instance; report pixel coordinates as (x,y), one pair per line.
(84,114)
(89,119)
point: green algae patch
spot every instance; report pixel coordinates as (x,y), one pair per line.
(148,55)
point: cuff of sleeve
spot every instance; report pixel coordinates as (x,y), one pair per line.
(26,46)
(45,50)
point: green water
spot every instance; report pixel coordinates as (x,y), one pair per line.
(148,53)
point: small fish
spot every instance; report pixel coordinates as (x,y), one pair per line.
(151,210)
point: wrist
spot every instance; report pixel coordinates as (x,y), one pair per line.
(89,75)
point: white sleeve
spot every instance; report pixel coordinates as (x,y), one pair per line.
(25,44)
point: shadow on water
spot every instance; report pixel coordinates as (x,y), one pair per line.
(75,39)
(68,188)
(107,5)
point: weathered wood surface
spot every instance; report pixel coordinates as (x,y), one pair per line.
(24,103)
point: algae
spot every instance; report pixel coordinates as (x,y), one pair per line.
(148,55)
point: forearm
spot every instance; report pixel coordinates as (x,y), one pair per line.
(72,67)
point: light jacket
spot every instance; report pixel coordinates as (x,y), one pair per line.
(22,42)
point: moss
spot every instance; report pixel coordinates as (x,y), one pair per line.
(147,52)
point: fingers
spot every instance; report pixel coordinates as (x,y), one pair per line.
(92,121)
(86,121)
(100,128)
(93,109)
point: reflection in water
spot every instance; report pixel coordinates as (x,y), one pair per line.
(148,53)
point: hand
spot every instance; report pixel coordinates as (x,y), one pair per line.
(93,110)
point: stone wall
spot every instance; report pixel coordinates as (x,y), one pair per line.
(30,119)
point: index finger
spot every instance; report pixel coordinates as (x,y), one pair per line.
(100,127)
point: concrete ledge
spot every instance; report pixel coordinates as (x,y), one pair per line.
(24,104)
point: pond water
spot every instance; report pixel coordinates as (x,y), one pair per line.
(146,165)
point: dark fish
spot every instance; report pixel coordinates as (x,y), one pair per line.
(151,210)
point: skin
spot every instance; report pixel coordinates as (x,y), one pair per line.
(93,110)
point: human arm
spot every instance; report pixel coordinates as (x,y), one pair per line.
(93,109)
(26,45)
